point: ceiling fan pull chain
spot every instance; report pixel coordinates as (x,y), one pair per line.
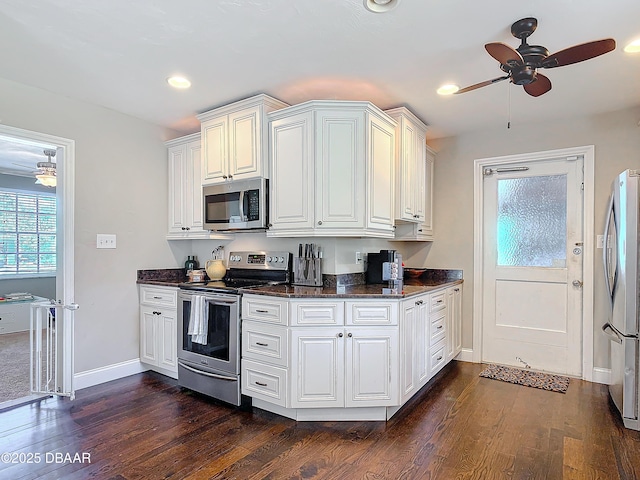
(508,107)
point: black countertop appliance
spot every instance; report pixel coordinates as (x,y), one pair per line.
(384,267)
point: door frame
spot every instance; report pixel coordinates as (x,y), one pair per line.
(588,203)
(65,197)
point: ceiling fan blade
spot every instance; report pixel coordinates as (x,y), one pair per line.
(481,84)
(579,53)
(540,86)
(504,53)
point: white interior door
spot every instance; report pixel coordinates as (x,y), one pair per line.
(532,314)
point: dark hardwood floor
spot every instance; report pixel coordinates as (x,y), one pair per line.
(460,426)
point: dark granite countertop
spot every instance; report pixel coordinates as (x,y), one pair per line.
(163,277)
(409,288)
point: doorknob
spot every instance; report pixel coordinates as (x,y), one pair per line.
(577,283)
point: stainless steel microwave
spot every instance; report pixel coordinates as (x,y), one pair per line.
(237,205)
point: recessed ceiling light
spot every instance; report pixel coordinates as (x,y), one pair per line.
(448,89)
(633,47)
(380,6)
(178,82)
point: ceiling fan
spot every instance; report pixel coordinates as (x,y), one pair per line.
(521,64)
(46,173)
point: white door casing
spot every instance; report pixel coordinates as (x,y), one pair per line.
(65,196)
(585,304)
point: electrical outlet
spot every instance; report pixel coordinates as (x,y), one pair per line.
(358,257)
(104,240)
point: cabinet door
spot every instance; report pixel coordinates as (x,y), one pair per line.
(167,340)
(340,170)
(407,172)
(193,193)
(407,348)
(371,367)
(420,160)
(177,161)
(381,177)
(244,145)
(422,343)
(454,321)
(148,336)
(215,146)
(317,367)
(427,223)
(292,190)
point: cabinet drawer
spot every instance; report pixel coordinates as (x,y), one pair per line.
(265,382)
(265,343)
(438,358)
(159,296)
(264,309)
(438,301)
(437,330)
(317,313)
(371,313)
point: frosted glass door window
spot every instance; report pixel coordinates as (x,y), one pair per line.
(532,221)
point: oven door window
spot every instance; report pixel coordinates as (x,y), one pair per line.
(221,327)
(223,208)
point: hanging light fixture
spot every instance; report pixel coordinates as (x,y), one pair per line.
(47,174)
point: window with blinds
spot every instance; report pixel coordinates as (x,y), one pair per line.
(27,233)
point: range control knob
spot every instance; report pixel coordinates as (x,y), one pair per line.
(269,259)
(281,259)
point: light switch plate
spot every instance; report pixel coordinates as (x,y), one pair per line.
(104,240)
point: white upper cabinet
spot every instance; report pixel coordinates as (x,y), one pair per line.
(235,140)
(185,188)
(332,165)
(410,165)
(421,231)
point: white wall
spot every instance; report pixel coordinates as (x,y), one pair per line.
(121,188)
(616,137)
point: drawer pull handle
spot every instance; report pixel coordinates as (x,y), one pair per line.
(440,301)
(262,344)
(456,289)
(157,298)
(439,327)
(439,358)
(262,311)
(261,384)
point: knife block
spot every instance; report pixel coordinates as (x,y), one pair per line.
(307,271)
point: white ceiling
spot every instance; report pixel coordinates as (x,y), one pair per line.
(118,54)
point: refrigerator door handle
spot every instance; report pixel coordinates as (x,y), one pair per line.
(605,251)
(611,333)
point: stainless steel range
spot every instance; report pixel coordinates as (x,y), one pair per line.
(209,315)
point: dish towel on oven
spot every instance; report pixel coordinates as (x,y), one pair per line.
(198,320)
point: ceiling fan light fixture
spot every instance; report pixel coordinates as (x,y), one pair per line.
(448,89)
(47,179)
(179,82)
(380,6)
(633,47)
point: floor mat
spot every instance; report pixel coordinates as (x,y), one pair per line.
(528,378)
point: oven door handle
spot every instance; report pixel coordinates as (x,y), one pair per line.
(214,375)
(222,303)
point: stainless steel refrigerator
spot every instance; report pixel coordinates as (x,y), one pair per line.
(621,277)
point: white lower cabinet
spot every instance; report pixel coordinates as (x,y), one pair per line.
(328,358)
(159,329)
(344,367)
(454,321)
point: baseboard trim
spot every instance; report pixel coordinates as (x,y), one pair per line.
(601,375)
(89,378)
(465,355)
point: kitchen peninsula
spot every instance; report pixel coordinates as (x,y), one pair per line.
(356,352)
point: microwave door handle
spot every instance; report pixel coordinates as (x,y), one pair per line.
(242,206)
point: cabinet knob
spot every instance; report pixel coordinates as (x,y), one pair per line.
(349,335)
(319,222)
(224,176)
(456,289)
(340,335)
(230,177)
(420,230)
